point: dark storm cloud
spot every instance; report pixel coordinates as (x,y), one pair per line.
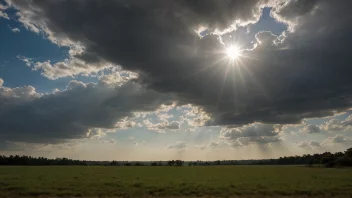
(306,74)
(70,114)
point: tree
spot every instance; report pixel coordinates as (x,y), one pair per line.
(171,163)
(179,163)
(348,152)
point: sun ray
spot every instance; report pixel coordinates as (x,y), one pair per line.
(233,52)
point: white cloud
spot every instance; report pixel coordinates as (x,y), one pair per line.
(336,125)
(161,127)
(338,139)
(219,144)
(68,68)
(131,138)
(17,94)
(266,39)
(201,146)
(308,144)
(2,13)
(125,123)
(111,141)
(178,145)
(139,143)
(96,133)
(165,116)
(15,30)
(27,60)
(190,130)
(200,117)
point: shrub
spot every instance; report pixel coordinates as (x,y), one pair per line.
(344,161)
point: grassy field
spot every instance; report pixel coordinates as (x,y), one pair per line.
(214,181)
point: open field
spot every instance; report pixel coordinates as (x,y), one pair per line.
(211,181)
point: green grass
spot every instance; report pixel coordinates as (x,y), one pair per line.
(214,181)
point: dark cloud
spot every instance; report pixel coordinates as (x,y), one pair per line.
(251,134)
(304,74)
(77,112)
(252,130)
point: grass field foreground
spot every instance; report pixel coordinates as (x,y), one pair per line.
(216,181)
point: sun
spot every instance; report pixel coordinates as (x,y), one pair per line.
(233,52)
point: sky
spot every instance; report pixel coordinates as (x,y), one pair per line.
(160,80)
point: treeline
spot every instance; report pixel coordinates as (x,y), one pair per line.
(160,163)
(39,161)
(327,159)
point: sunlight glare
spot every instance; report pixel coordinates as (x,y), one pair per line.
(233,52)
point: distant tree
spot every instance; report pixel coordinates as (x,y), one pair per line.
(339,154)
(329,164)
(348,152)
(114,163)
(179,162)
(326,160)
(343,161)
(171,163)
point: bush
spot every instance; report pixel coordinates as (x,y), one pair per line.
(326,160)
(344,161)
(330,164)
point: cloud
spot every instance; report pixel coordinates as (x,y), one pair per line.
(139,143)
(96,133)
(161,127)
(26,60)
(315,143)
(337,125)
(2,13)
(15,30)
(252,130)
(338,139)
(111,141)
(311,129)
(256,140)
(190,130)
(216,145)
(201,146)
(308,144)
(165,116)
(303,73)
(178,145)
(80,111)
(68,68)
(1,82)
(255,133)
(267,40)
